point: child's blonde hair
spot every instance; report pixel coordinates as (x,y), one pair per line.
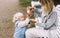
(15,16)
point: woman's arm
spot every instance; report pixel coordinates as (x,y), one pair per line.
(50,21)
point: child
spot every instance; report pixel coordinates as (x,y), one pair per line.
(20,25)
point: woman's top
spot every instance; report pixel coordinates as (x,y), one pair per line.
(58,20)
(48,21)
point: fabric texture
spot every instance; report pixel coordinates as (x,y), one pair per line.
(35,33)
(19,32)
(49,20)
(58,20)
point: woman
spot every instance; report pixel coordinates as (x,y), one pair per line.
(49,17)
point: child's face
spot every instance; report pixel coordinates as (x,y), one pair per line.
(21,18)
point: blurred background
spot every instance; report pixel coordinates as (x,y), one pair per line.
(7,9)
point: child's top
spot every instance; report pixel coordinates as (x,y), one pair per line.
(20,26)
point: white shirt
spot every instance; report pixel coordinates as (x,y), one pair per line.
(38,20)
(24,23)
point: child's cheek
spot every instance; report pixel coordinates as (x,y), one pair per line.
(22,19)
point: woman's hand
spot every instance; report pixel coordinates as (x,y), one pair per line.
(29,10)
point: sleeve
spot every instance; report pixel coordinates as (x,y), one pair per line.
(24,23)
(50,21)
(38,20)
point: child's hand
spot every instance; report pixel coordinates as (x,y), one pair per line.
(32,20)
(28,14)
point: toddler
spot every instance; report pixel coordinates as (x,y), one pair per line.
(20,25)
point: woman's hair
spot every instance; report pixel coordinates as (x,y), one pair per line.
(16,16)
(47,4)
(56,2)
